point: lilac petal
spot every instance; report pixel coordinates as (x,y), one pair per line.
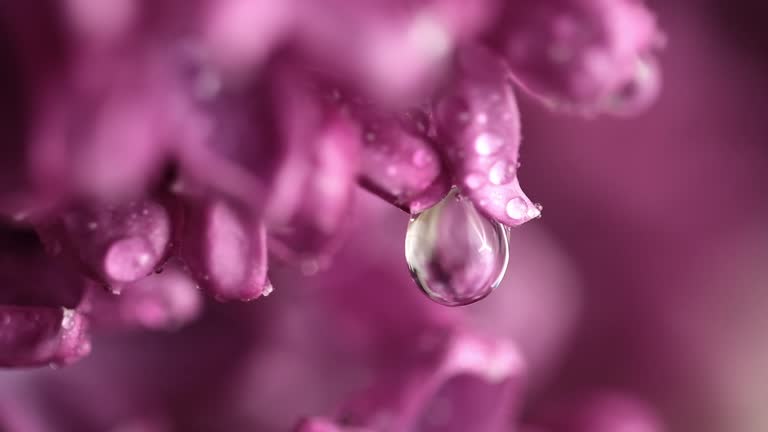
(313,190)
(599,412)
(582,54)
(36,336)
(113,243)
(165,300)
(478,124)
(225,249)
(461,383)
(30,277)
(398,160)
(374,34)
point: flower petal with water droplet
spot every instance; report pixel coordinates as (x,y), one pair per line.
(400,163)
(479,127)
(37,336)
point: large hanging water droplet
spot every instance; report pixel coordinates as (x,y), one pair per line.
(456,255)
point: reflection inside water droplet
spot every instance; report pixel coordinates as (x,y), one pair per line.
(456,255)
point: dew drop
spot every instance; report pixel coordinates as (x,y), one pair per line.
(517,208)
(68,319)
(501,172)
(474,181)
(456,255)
(268,289)
(487,144)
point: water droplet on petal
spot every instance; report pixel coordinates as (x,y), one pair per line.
(268,289)
(487,144)
(517,208)
(474,181)
(68,319)
(501,172)
(456,255)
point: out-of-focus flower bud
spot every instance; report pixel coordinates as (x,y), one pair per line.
(457,383)
(311,197)
(164,301)
(38,335)
(585,55)
(225,249)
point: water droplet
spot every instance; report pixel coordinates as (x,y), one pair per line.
(268,289)
(501,172)
(481,118)
(370,136)
(68,319)
(474,181)
(455,255)
(392,170)
(93,225)
(517,208)
(535,211)
(488,144)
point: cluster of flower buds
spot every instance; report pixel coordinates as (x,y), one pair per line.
(153,147)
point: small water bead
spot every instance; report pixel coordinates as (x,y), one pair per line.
(502,172)
(517,208)
(268,289)
(487,144)
(68,319)
(456,255)
(474,181)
